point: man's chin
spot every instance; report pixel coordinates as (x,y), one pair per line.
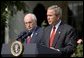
(29,29)
(50,23)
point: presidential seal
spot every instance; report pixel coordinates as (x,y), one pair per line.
(16,48)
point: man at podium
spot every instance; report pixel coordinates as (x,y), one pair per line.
(33,33)
(59,36)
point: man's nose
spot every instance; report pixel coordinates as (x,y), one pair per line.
(28,25)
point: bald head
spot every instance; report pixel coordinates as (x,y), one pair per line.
(31,16)
(30,21)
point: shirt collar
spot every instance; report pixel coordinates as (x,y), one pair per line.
(57,25)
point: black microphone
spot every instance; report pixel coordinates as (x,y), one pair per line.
(24,35)
(27,34)
(21,34)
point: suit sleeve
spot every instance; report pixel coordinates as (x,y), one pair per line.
(42,41)
(70,43)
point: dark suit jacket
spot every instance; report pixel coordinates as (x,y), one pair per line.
(65,39)
(37,35)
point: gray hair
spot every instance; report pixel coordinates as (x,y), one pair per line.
(33,16)
(58,10)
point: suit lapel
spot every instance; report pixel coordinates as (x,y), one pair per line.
(56,37)
(35,34)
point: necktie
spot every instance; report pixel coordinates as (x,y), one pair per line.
(52,36)
(28,39)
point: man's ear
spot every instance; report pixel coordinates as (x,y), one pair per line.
(58,16)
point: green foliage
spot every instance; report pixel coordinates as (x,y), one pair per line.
(7,8)
(79,51)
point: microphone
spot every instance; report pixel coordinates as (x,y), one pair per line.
(24,35)
(27,34)
(21,34)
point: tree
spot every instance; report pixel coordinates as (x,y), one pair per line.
(7,8)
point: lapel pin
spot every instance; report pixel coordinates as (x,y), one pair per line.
(36,33)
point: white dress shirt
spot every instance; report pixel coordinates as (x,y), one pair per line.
(57,25)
